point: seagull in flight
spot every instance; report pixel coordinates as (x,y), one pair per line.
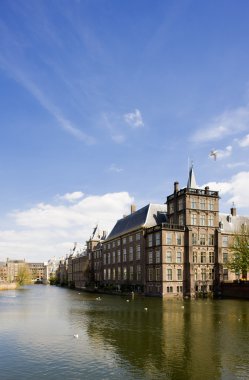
(213,154)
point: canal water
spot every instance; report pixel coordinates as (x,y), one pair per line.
(145,338)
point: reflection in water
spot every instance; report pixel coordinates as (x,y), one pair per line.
(172,339)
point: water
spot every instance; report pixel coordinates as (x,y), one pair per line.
(175,339)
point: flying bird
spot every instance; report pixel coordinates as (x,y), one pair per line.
(213,154)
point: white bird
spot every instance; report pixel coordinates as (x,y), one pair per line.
(76,336)
(146,309)
(127,300)
(213,154)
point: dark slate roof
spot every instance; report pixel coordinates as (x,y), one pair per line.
(231,223)
(148,216)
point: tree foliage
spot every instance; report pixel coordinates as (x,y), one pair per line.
(239,262)
(24,275)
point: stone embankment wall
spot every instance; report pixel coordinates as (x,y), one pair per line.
(11,286)
(235,290)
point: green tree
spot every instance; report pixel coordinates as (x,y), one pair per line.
(23,275)
(239,262)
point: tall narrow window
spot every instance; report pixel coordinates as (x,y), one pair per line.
(178,257)
(169,274)
(150,240)
(168,257)
(193,219)
(169,238)
(158,238)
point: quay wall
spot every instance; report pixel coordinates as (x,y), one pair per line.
(235,290)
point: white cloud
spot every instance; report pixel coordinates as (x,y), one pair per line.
(236,189)
(114,168)
(47,230)
(244,142)
(228,123)
(72,197)
(134,119)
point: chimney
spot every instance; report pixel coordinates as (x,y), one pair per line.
(233,211)
(133,208)
(176,186)
(206,189)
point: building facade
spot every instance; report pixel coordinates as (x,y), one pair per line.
(180,248)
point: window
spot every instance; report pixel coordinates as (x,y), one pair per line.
(138,252)
(158,256)
(124,273)
(131,273)
(169,274)
(193,219)
(131,253)
(158,274)
(225,274)
(178,257)
(130,238)
(180,220)
(119,273)
(196,275)
(171,208)
(211,274)
(168,257)
(113,273)
(179,274)
(224,241)
(179,289)
(211,204)
(225,257)
(180,204)
(150,257)
(137,236)
(113,244)
(169,238)
(211,257)
(158,238)
(124,254)
(202,239)
(178,239)
(202,220)
(150,274)
(149,240)
(118,242)
(203,257)
(210,220)
(169,289)
(195,257)
(109,273)
(202,204)
(104,274)
(118,256)
(211,239)
(108,246)
(104,257)
(193,203)
(124,240)
(113,257)
(138,272)
(203,274)
(194,238)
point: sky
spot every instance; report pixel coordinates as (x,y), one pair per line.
(105,103)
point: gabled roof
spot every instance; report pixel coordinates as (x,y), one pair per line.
(148,216)
(191,179)
(231,223)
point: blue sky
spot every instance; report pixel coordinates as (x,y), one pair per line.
(103,103)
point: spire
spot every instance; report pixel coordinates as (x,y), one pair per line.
(191,179)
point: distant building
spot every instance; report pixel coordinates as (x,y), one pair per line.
(13,267)
(37,271)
